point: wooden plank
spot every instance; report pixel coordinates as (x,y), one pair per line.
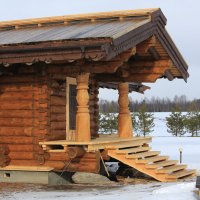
(68,18)
(171,169)
(161,164)
(181,174)
(26,168)
(143,155)
(133,150)
(152,159)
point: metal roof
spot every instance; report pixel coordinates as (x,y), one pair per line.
(101,29)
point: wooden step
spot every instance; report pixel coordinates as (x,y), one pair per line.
(161,164)
(133,150)
(143,155)
(152,159)
(181,174)
(171,169)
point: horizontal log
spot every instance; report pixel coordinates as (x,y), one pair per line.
(57,165)
(24,148)
(16,140)
(4,159)
(60,165)
(92,67)
(55,92)
(21,79)
(58,109)
(4,164)
(25,163)
(58,157)
(132,78)
(15,131)
(36,133)
(58,125)
(22,114)
(22,155)
(21,105)
(55,137)
(4,150)
(17,122)
(87,167)
(13,87)
(64,156)
(58,117)
(22,96)
(58,132)
(58,101)
(59,77)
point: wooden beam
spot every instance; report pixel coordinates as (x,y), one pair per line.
(138,78)
(169,75)
(160,63)
(48,55)
(148,70)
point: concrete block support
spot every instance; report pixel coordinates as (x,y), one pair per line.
(38,177)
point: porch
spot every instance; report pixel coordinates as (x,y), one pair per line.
(102,142)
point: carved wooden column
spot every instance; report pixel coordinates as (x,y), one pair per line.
(82,115)
(124,119)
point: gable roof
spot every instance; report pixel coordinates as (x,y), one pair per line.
(107,34)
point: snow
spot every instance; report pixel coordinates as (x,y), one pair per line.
(152,191)
(162,141)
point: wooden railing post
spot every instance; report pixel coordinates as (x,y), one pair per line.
(82,115)
(124,119)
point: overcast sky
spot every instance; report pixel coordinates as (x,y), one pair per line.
(183,25)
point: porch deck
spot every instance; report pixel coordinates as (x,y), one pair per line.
(103,142)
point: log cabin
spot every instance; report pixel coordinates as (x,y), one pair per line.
(51,70)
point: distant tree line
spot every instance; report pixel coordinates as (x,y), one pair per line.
(152,105)
(178,123)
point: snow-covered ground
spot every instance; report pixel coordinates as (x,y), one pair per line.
(163,142)
(170,145)
(151,191)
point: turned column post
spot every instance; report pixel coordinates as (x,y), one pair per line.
(124,119)
(82,115)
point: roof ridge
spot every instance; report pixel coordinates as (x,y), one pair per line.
(15,24)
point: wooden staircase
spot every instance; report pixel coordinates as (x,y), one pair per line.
(151,163)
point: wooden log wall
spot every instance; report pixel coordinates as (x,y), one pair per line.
(24,116)
(94,108)
(33,109)
(4,158)
(57,107)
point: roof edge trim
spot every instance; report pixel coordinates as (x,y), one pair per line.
(15,24)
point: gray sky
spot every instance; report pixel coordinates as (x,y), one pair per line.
(183,25)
